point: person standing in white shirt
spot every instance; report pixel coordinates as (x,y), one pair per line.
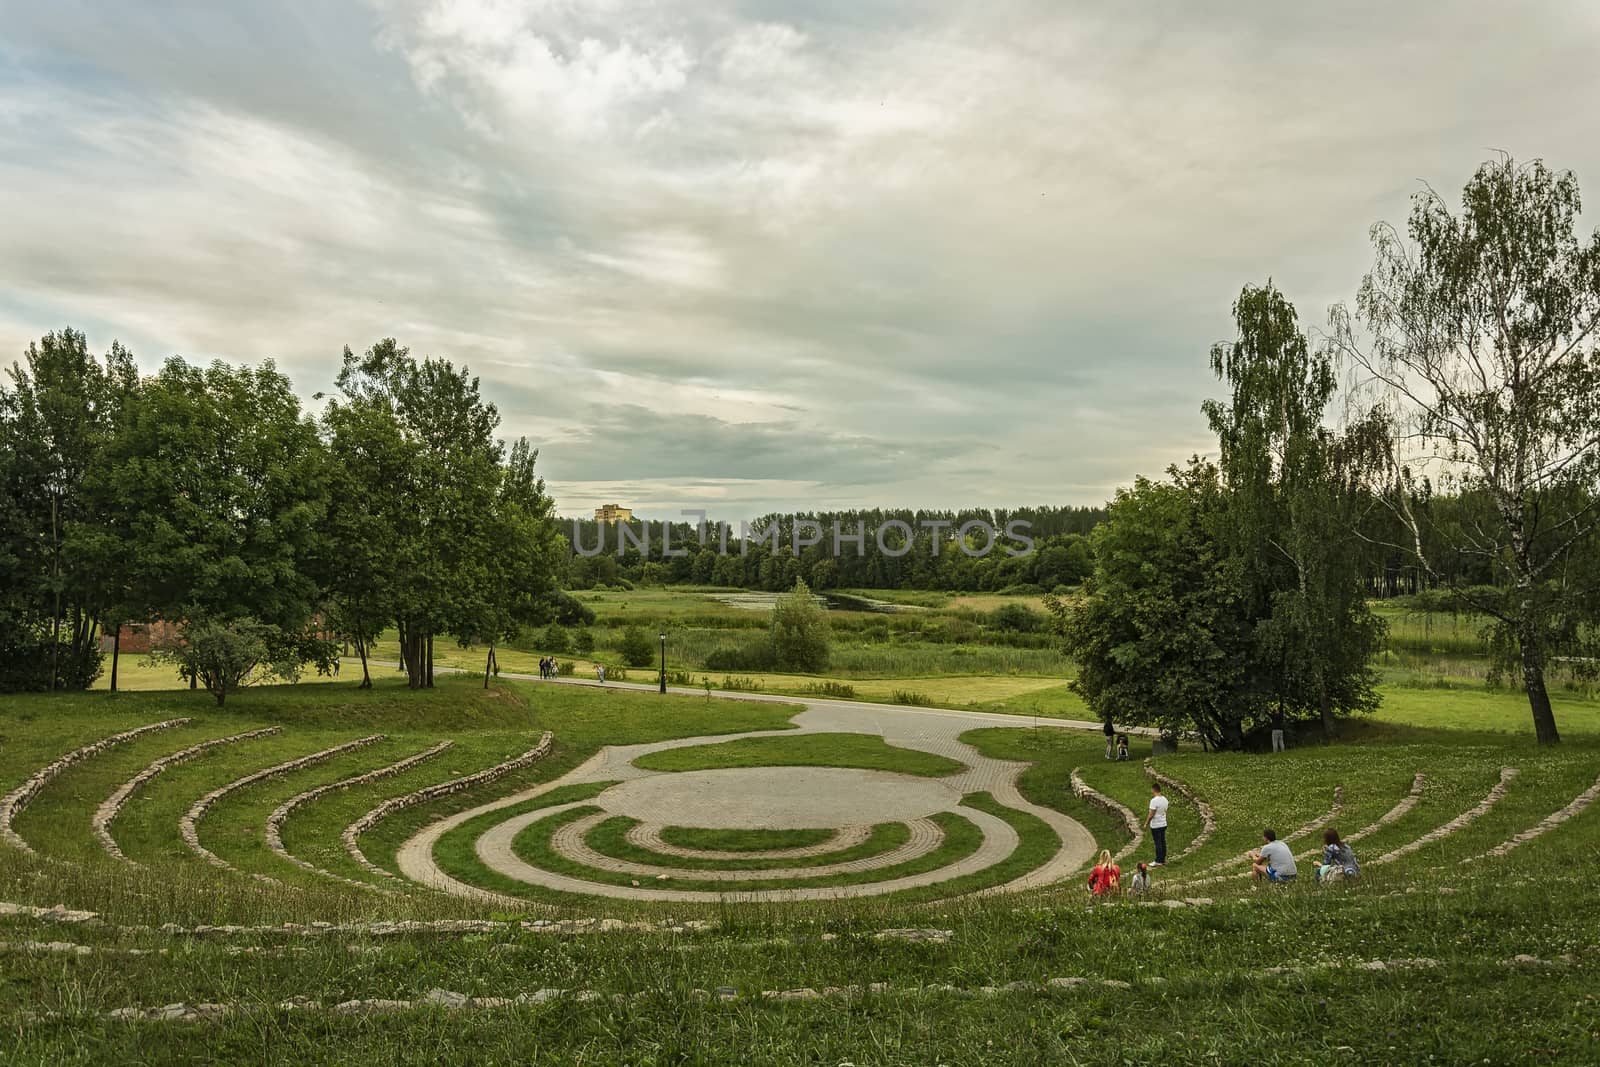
(1156,820)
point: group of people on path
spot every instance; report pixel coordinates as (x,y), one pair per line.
(547,667)
(1273,862)
(1106,877)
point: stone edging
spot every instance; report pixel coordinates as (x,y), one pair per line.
(1407,802)
(108,809)
(12,803)
(1316,824)
(187,826)
(1085,792)
(275,821)
(433,792)
(1489,801)
(1545,825)
(1208,819)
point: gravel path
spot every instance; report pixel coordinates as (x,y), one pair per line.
(648,836)
(852,802)
(569,841)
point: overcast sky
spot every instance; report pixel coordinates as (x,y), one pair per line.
(755,255)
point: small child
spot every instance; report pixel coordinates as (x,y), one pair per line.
(1122,748)
(1141,879)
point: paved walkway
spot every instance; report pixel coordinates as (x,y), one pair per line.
(648,837)
(846,798)
(570,841)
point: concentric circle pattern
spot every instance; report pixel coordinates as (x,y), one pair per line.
(964,828)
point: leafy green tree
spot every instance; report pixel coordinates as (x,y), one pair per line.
(636,647)
(554,639)
(800,631)
(1477,331)
(224,655)
(221,480)
(1291,495)
(1160,635)
(471,547)
(58,582)
(368,458)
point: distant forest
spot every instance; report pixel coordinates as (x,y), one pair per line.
(1061,558)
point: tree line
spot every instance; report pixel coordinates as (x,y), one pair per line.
(932,558)
(1232,594)
(206,499)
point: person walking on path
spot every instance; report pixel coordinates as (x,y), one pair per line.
(600,672)
(1156,820)
(1111,740)
(1277,730)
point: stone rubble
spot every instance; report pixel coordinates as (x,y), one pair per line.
(1545,825)
(1489,801)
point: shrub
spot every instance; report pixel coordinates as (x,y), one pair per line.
(570,611)
(223,655)
(25,663)
(907,696)
(1016,618)
(584,642)
(753,655)
(567,668)
(554,639)
(800,638)
(636,647)
(830,689)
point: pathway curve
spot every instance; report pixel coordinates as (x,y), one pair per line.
(924,729)
(494,849)
(570,841)
(648,837)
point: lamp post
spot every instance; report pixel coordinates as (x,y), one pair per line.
(663,663)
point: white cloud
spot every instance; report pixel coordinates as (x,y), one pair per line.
(997,239)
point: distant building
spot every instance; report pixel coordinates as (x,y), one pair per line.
(612,513)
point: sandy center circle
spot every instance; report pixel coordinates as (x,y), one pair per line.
(778,798)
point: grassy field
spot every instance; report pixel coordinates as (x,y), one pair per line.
(1444,950)
(811,750)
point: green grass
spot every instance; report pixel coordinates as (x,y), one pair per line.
(743,840)
(1216,1002)
(532,845)
(609,839)
(864,751)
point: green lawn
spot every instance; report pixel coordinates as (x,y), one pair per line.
(743,840)
(807,750)
(961,838)
(1439,955)
(609,839)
